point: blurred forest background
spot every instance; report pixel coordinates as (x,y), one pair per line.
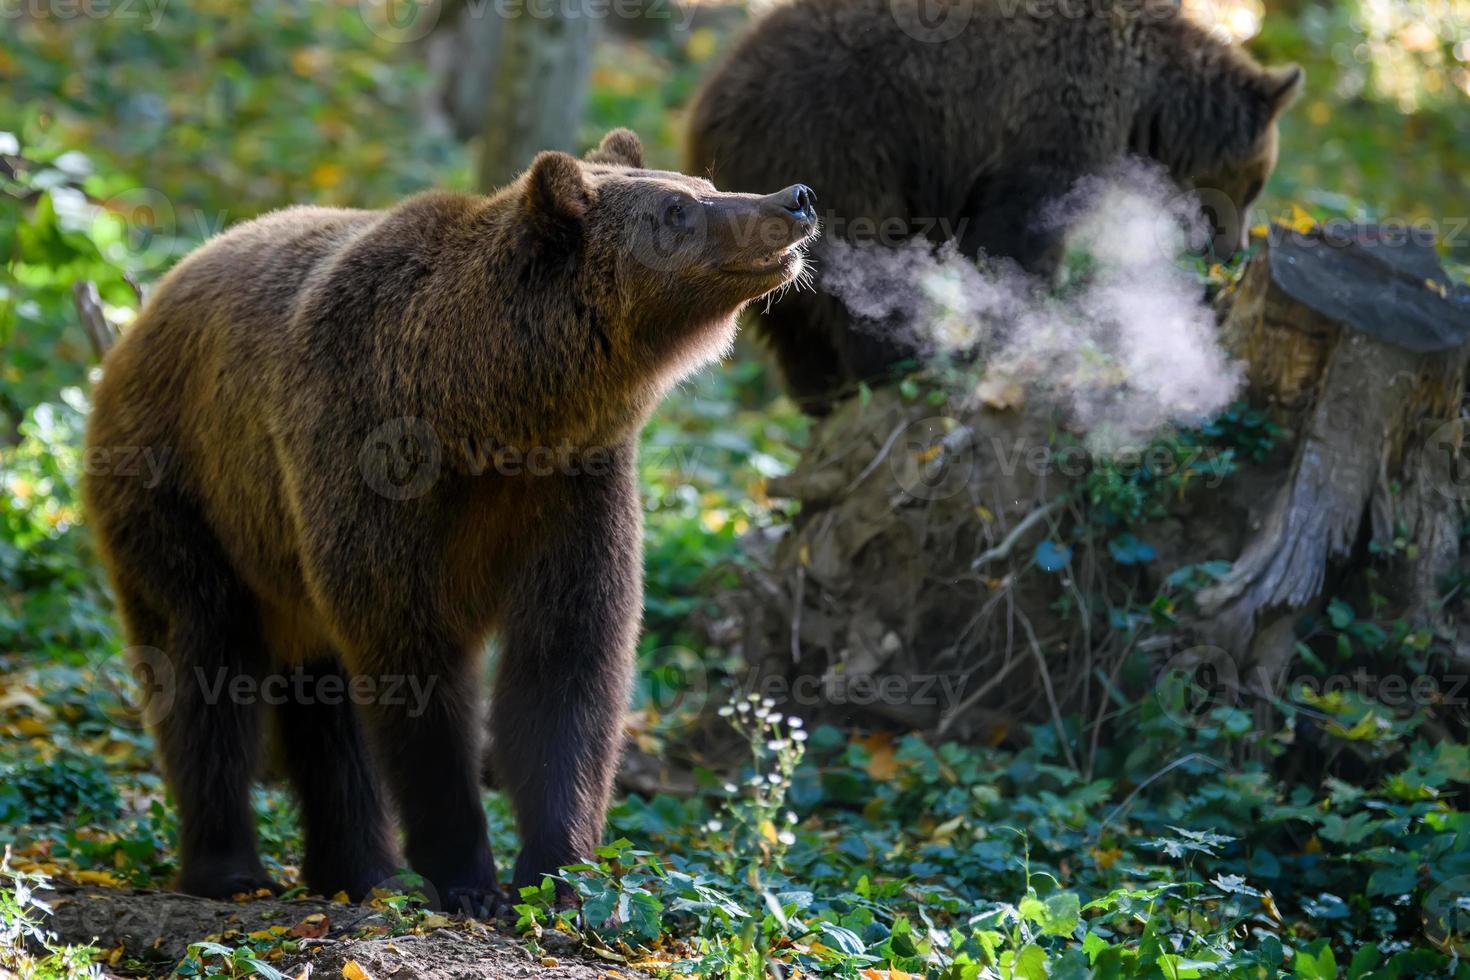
(128,136)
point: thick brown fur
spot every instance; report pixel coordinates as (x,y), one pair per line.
(352,406)
(960,120)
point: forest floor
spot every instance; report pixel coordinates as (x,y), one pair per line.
(149,932)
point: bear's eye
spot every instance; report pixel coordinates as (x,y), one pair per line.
(677,216)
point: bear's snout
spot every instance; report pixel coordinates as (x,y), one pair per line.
(799,200)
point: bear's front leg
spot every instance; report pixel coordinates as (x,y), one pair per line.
(428,738)
(568,646)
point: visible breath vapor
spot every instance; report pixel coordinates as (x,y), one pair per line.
(1126,349)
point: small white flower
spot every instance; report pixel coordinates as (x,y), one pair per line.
(760,712)
(798,736)
(726,711)
(774,778)
(774,717)
(743,707)
(768,704)
(786,837)
(714,826)
(790,817)
(754,698)
(731,788)
(777,744)
(794,721)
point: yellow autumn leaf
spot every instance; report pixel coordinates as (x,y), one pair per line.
(341,898)
(326,175)
(702,44)
(882,756)
(943,833)
(1300,222)
(352,970)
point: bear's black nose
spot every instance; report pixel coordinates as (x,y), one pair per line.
(801,201)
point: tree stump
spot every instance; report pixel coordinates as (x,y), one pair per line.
(910,589)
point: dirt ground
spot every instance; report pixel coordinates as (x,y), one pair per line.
(147,933)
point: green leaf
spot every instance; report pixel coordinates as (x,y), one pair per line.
(1030,963)
(1051,556)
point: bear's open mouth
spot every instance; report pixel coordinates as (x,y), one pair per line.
(781,260)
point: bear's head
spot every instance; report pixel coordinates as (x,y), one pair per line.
(657,263)
(1230,183)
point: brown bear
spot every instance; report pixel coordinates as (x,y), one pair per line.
(391,434)
(959,120)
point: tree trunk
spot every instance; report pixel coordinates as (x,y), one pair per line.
(537,92)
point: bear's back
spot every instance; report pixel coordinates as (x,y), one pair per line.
(893,107)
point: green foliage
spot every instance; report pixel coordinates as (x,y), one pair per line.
(65,787)
(27,948)
(226,111)
(210,959)
(1380,77)
(1184,852)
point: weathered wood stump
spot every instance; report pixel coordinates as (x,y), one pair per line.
(908,589)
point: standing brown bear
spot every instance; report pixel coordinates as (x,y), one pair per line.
(961,119)
(390,434)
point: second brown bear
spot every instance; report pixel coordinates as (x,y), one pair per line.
(960,119)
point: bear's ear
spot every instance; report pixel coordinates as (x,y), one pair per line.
(555,188)
(620,146)
(1282,86)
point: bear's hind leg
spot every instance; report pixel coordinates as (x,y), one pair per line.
(197,646)
(211,741)
(349,844)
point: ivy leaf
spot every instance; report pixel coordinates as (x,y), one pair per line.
(1126,549)
(1052,557)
